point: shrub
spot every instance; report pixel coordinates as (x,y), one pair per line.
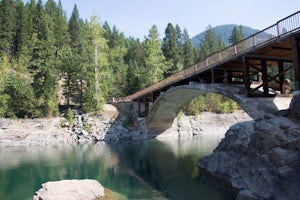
(69,115)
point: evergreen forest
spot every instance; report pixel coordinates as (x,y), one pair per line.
(48,61)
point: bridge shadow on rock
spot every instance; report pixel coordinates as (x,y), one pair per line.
(168,105)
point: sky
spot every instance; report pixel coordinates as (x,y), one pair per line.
(136,17)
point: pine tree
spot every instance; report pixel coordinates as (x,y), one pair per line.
(107,32)
(73,57)
(188,50)
(236,35)
(69,68)
(135,61)
(75,25)
(96,74)
(155,62)
(210,44)
(117,52)
(172,49)
(19,42)
(4,98)
(169,42)
(44,62)
(61,27)
(179,46)
(58,16)
(7,26)
(20,97)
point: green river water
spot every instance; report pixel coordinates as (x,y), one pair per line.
(153,169)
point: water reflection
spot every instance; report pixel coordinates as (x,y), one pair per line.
(198,145)
(154,169)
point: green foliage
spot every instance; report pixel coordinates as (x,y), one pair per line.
(18,98)
(188,50)
(236,35)
(69,115)
(211,43)
(116,54)
(224,31)
(180,115)
(47,60)
(4,98)
(171,48)
(129,121)
(212,103)
(75,24)
(7,26)
(155,62)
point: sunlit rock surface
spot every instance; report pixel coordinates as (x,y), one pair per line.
(261,159)
(70,189)
(205,123)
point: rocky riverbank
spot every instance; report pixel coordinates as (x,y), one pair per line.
(260,159)
(113,124)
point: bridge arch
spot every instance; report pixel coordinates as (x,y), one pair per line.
(168,105)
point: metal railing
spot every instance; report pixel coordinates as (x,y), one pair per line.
(281,28)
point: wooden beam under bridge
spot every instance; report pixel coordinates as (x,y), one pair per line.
(296,60)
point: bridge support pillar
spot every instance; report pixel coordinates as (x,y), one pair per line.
(212,75)
(139,107)
(281,75)
(246,75)
(264,72)
(296,60)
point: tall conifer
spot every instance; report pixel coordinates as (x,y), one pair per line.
(188,51)
(7,26)
(155,62)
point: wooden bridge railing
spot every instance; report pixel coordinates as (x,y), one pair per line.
(281,28)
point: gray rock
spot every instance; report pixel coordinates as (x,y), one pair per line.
(295,105)
(246,195)
(261,159)
(70,189)
(85,133)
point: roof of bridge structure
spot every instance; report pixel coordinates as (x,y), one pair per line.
(273,44)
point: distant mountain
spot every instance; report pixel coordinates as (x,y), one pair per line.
(224,32)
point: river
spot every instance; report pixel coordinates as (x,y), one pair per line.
(152,169)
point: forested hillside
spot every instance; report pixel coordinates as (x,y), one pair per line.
(224,32)
(48,61)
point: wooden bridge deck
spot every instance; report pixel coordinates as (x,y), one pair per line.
(270,47)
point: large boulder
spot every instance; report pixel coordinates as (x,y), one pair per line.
(294,109)
(70,189)
(260,159)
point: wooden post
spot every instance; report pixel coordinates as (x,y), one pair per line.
(246,76)
(296,61)
(264,76)
(139,107)
(281,74)
(146,105)
(153,96)
(212,75)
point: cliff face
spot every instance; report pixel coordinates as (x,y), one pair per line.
(260,159)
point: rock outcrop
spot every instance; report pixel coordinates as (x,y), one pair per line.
(294,110)
(205,123)
(260,159)
(32,132)
(70,189)
(113,124)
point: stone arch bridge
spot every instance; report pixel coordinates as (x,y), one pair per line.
(256,70)
(168,105)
